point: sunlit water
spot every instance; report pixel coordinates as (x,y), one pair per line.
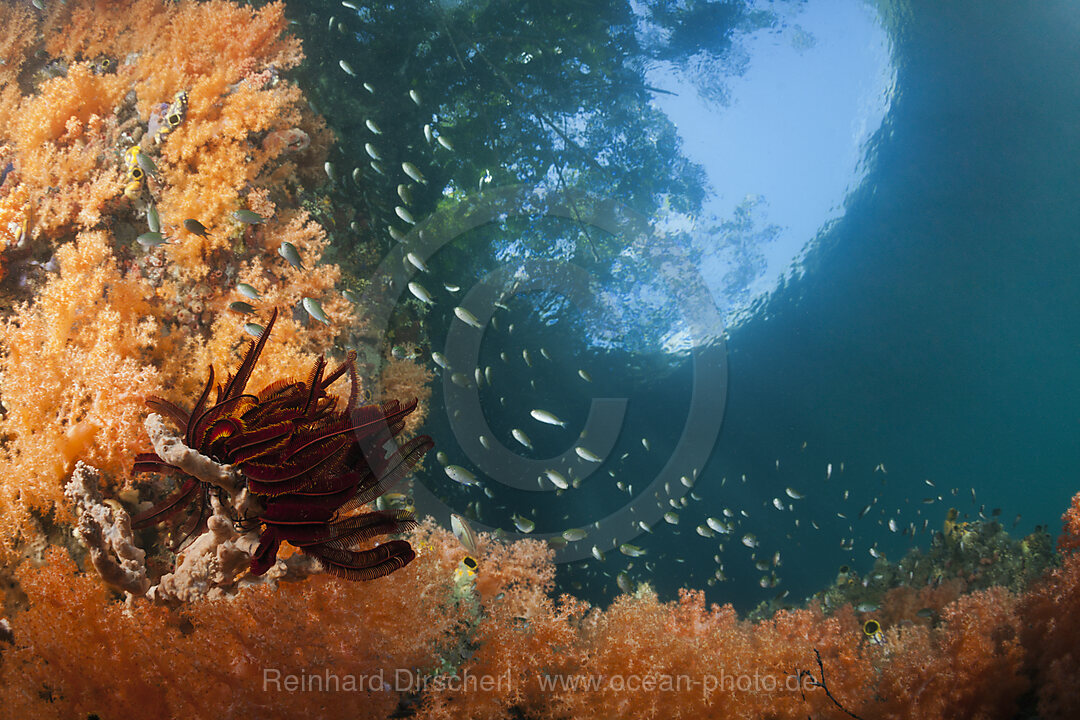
(883,214)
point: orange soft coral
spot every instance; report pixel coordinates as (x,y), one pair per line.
(72,377)
(1051,635)
(684,660)
(519,633)
(72,389)
(1069,541)
(78,651)
(640,658)
(72,133)
(408,379)
(970,666)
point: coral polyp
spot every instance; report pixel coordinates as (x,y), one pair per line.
(293,464)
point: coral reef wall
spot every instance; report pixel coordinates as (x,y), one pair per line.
(154,156)
(78,650)
(119,121)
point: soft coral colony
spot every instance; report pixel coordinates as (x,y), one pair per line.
(129,121)
(153,155)
(124,124)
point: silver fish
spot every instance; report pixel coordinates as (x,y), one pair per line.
(467,317)
(247,216)
(314,309)
(412,171)
(574,534)
(557,479)
(546,417)
(150,240)
(144,161)
(523,524)
(247,291)
(460,475)
(421,293)
(588,455)
(288,251)
(153,220)
(463,532)
(416,262)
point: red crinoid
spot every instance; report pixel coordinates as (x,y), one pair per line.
(314,467)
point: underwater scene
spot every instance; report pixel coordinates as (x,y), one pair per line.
(540,359)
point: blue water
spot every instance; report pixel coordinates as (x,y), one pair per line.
(930,332)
